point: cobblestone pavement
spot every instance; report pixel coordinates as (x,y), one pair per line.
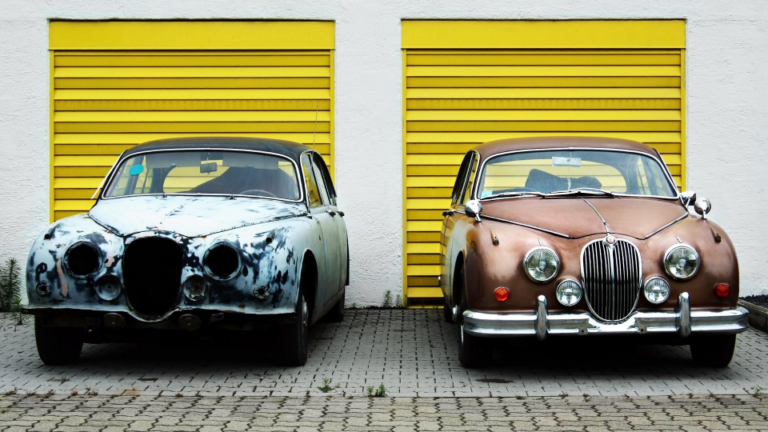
(411,352)
(573,413)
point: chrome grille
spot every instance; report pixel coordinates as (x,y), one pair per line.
(612,277)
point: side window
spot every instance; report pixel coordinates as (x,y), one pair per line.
(460,178)
(313,192)
(469,183)
(321,172)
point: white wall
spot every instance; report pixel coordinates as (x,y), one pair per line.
(727,82)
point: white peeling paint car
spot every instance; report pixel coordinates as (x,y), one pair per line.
(196,235)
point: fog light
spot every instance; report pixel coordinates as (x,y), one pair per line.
(656,290)
(722,290)
(43,289)
(568,292)
(108,287)
(194,288)
(501,293)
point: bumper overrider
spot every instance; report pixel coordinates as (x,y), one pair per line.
(683,321)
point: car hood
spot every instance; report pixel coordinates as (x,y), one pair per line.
(583,216)
(188,216)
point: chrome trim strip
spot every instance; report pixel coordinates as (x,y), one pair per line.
(493,218)
(667,226)
(664,169)
(491,325)
(122,159)
(605,224)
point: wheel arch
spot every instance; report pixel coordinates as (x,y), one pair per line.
(308,281)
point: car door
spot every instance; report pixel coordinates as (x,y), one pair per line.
(342,243)
(322,212)
(458,199)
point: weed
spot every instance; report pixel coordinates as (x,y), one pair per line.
(690,395)
(518,397)
(11,392)
(563,395)
(49,393)
(90,392)
(353,305)
(387,299)
(757,391)
(398,301)
(326,386)
(179,394)
(10,285)
(587,397)
(381,391)
(74,393)
(626,397)
(370,391)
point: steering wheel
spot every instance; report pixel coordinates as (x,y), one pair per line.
(258,192)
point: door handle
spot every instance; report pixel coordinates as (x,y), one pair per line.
(332,213)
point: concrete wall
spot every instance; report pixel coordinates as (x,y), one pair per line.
(727,82)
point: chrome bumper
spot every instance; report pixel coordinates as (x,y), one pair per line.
(683,321)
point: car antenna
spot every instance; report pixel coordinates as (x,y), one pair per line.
(317,108)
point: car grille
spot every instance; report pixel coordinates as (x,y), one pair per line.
(612,277)
(152,275)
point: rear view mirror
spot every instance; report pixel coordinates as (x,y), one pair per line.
(208,167)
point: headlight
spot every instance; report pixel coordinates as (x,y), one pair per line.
(82,259)
(221,261)
(541,264)
(681,262)
(568,292)
(656,290)
(108,287)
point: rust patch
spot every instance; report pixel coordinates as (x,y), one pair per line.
(64,288)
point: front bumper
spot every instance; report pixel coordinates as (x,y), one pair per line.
(683,321)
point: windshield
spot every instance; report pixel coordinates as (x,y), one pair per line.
(206,173)
(574,171)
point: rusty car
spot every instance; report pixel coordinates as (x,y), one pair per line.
(195,235)
(575,236)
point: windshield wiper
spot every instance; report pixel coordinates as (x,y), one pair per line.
(586,191)
(514,194)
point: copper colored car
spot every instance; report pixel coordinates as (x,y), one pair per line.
(584,237)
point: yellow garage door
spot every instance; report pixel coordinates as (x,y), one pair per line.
(117,84)
(471,82)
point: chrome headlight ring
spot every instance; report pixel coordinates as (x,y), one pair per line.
(687,261)
(541,264)
(656,290)
(569,292)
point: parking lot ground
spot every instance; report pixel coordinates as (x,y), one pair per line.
(411,352)
(207,414)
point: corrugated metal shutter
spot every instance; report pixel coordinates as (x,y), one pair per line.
(106,101)
(457,99)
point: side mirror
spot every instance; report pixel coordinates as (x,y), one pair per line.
(688,198)
(703,207)
(473,208)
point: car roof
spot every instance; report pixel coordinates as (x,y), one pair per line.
(286,148)
(544,143)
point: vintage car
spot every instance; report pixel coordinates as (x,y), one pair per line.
(584,236)
(195,235)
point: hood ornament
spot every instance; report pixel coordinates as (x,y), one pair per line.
(610,239)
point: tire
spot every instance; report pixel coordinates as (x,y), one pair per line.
(447,312)
(293,337)
(58,345)
(474,352)
(336,314)
(713,350)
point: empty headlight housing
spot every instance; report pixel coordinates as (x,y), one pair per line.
(568,292)
(194,288)
(541,264)
(656,290)
(681,262)
(82,259)
(221,261)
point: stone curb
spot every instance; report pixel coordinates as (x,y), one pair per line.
(758,315)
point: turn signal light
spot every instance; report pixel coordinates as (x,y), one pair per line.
(722,290)
(501,293)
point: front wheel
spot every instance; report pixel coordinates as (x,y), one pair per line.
(58,345)
(474,352)
(713,350)
(293,337)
